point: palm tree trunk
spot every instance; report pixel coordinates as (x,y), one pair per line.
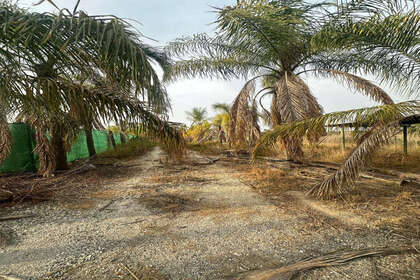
(59,148)
(89,141)
(293,147)
(111,139)
(123,138)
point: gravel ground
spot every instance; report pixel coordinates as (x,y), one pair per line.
(206,225)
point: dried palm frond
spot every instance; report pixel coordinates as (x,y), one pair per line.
(361,85)
(5,138)
(332,259)
(44,150)
(243,118)
(294,102)
(341,180)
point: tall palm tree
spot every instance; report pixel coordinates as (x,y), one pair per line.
(272,41)
(197,115)
(41,53)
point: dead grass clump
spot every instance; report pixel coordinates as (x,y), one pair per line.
(273,181)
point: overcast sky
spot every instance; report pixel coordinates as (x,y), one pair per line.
(165,20)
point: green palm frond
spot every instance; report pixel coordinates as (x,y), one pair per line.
(222,107)
(392,36)
(382,123)
(365,117)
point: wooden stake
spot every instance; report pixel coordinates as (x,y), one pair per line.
(405,140)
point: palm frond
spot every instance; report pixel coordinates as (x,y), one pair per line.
(243,125)
(360,84)
(388,35)
(345,177)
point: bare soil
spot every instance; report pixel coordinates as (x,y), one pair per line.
(199,219)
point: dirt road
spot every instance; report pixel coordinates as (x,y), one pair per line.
(185,221)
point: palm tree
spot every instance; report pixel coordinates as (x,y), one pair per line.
(197,115)
(273,42)
(222,117)
(41,53)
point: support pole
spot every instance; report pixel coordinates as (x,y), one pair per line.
(343,139)
(405,140)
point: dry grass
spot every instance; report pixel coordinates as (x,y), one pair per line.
(128,150)
(380,203)
(390,156)
(209,148)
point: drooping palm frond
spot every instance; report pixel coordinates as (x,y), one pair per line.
(293,102)
(243,118)
(364,117)
(75,42)
(360,84)
(341,180)
(44,149)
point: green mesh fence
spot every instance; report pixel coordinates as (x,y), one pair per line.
(22,158)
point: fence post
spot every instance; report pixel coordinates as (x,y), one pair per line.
(405,139)
(343,139)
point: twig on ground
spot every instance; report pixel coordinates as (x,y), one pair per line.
(129,271)
(106,205)
(18,217)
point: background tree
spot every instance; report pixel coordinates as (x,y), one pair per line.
(197,115)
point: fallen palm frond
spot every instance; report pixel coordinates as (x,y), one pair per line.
(332,259)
